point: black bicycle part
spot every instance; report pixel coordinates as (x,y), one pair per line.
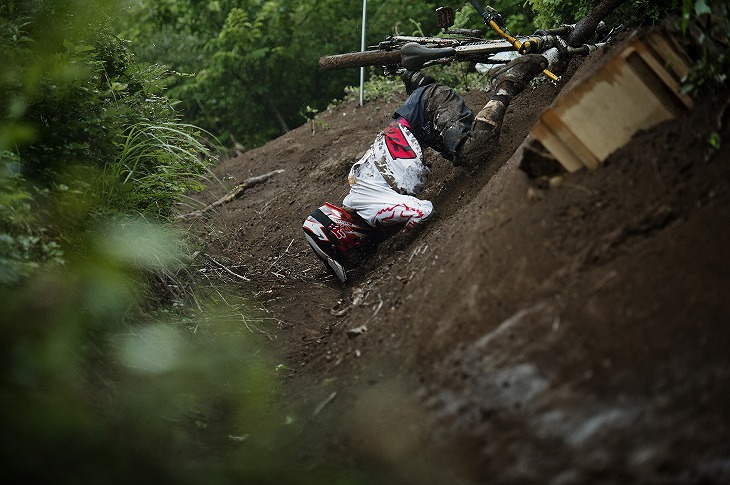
(445,17)
(488,14)
(414,55)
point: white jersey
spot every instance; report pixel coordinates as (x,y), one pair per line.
(398,157)
(383,179)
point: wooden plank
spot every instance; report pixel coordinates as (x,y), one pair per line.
(607,109)
(669,53)
(566,133)
(632,91)
(555,145)
(672,89)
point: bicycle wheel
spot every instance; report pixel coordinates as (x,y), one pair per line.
(359,59)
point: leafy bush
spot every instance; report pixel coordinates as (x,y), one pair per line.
(95,387)
(253,65)
(25,244)
(93,390)
(88,114)
(705,26)
(157,163)
(551,13)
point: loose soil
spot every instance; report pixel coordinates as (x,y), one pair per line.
(571,334)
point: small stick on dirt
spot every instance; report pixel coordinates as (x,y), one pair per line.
(281,255)
(321,405)
(243,319)
(232,195)
(220,265)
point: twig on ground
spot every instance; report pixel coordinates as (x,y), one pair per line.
(220,265)
(321,405)
(281,255)
(232,195)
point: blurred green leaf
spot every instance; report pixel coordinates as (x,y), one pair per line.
(701,7)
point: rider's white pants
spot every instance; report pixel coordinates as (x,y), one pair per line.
(376,202)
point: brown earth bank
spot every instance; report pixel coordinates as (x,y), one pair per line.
(571,334)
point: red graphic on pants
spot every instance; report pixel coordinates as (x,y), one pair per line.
(396,142)
(399,214)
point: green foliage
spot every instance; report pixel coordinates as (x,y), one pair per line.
(705,26)
(518,15)
(24,243)
(103,380)
(381,87)
(86,135)
(551,13)
(155,166)
(94,391)
(255,62)
(232,93)
(74,109)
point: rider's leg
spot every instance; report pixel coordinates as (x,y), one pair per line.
(508,81)
(438,115)
(448,112)
(466,138)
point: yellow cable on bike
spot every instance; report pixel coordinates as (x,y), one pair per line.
(516,44)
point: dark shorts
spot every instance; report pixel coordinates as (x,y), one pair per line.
(438,116)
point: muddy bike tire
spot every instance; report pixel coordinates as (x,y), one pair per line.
(359,59)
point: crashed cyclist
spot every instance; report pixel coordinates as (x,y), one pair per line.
(384,181)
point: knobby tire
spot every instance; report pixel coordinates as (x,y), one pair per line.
(359,59)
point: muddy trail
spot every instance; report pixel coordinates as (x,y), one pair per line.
(571,334)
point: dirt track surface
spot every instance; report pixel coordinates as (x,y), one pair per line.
(576,334)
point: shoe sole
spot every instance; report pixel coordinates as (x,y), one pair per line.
(336,267)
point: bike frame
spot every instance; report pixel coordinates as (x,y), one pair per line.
(467,45)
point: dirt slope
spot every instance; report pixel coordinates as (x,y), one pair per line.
(578,334)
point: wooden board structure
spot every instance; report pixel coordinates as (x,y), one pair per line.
(634,90)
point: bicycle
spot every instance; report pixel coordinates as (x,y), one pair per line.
(398,52)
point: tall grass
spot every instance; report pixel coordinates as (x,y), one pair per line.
(156,164)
